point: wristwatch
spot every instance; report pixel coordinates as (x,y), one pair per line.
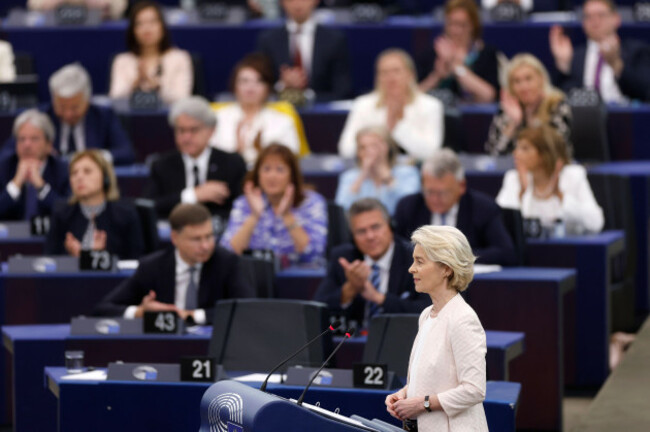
(427,404)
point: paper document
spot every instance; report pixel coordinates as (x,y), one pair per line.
(96,375)
(258,377)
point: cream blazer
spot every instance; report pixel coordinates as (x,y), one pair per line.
(272,126)
(175,83)
(578,208)
(419,132)
(451,365)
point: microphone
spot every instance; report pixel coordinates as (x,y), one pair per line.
(333,327)
(348,334)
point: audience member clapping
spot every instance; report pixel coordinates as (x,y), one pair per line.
(460,61)
(277,213)
(529,100)
(152,64)
(94,218)
(376,174)
(414,119)
(113,9)
(249,124)
(546,186)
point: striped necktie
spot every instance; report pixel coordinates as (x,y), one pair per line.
(192,293)
(373,309)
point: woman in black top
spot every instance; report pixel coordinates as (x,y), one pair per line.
(459,60)
(94,218)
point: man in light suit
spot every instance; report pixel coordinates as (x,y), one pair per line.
(187,279)
(80,124)
(195,172)
(370,276)
(618,69)
(32,180)
(445,200)
(307,56)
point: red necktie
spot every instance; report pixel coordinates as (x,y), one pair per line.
(599,68)
(295,43)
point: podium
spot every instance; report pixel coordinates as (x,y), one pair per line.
(230,406)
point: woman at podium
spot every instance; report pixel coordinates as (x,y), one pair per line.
(446,384)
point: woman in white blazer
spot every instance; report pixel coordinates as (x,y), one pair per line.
(446,383)
(414,119)
(545,186)
(249,124)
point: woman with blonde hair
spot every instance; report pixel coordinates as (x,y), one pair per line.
(446,379)
(94,218)
(544,185)
(414,119)
(530,100)
(376,174)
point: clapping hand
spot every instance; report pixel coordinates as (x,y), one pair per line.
(356,272)
(254,197)
(293,77)
(286,203)
(610,49)
(72,245)
(561,48)
(510,106)
(99,240)
(150,304)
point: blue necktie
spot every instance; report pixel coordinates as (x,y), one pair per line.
(192,294)
(31,201)
(375,279)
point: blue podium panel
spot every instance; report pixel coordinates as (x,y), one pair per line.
(135,406)
(32,348)
(592,257)
(530,300)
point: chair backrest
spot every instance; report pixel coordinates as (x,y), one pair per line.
(390,338)
(338,231)
(454,135)
(198,75)
(588,126)
(148,222)
(514,223)
(257,334)
(260,274)
(24,63)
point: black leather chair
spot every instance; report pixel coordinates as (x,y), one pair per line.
(514,223)
(338,231)
(257,334)
(588,126)
(260,274)
(390,339)
(149,223)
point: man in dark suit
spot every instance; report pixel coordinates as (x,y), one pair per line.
(445,200)
(32,179)
(618,69)
(187,279)
(78,123)
(307,56)
(195,172)
(371,275)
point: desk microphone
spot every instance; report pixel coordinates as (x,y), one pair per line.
(332,328)
(348,335)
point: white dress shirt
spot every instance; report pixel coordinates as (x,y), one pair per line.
(79,137)
(305,41)
(182,282)
(609,90)
(188,195)
(450,217)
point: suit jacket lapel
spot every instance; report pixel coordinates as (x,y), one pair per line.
(396,268)
(214,170)
(176,173)
(285,54)
(464,217)
(167,285)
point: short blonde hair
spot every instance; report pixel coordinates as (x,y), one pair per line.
(109,181)
(447,245)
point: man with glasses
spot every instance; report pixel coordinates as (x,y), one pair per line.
(370,275)
(617,69)
(445,200)
(195,172)
(187,279)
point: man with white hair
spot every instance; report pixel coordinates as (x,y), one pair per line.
(80,124)
(31,180)
(446,200)
(195,172)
